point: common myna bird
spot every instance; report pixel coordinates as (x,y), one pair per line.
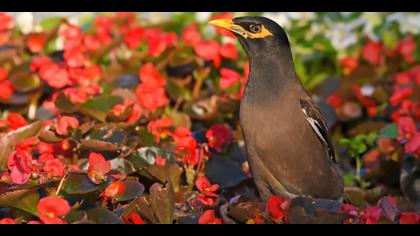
(286,138)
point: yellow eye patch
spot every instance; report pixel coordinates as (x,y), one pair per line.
(264,33)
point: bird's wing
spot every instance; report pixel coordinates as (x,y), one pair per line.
(316,120)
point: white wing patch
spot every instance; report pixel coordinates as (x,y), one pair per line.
(315,126)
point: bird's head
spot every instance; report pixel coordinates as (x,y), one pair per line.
(256,34)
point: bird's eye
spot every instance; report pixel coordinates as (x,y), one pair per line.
(255,29)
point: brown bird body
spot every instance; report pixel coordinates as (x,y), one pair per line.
(287,143)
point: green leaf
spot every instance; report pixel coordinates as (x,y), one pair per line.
(78,183)
(25,200)
(64,104)
(389,131)
(101,215)
(371,138)
(390,39)
(51,23)
(102,103)
(133,189)
(361,148)
(99,106)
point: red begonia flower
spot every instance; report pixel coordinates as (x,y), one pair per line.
(409,218)
(16,121)
(371,215)
(6,89)
(406,48)
(209,217)
(372,52)
(276,208)
(190,35)
(54,167)
(20,166)
(229,78)
(229,51)
(204,186)
(115,189)
(64,123)
(50,209)
(98,167)
(56,76)
(219,135)
(349,64)
(7,221)
(159,128)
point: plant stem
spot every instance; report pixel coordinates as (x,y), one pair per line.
(358,168)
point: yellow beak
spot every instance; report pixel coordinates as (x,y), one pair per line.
(223,23)
(228,24)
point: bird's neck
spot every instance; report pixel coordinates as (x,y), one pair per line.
(271,75)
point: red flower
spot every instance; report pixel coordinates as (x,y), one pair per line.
(205,200)
(229,78)
(149,75)
(334,100)
(372,52)
(64,123)
(20,166)
(134,37)
(6,21)
(371,215)
(98,167)
(204,186)
(349,64)
(16,121)
(158,43)
(54,167)
(276,208)
(229,51)
(406,47)
(7,221)
(403,78)
(160,161)
(91,43)
(399,94)
(351,211)
(409,218)
(38,62)
(75,57)
(54,75)
(151,92)
(36,42)
(75,95)
(218,135)
(27,144)
(85,76)
(50,209)
(151,98)
(406,127)
(190,35)
(413,144)
(6,89)
(115,189)
(209,217)
(3,74)
(208,50)
(134,218)
(136,112)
